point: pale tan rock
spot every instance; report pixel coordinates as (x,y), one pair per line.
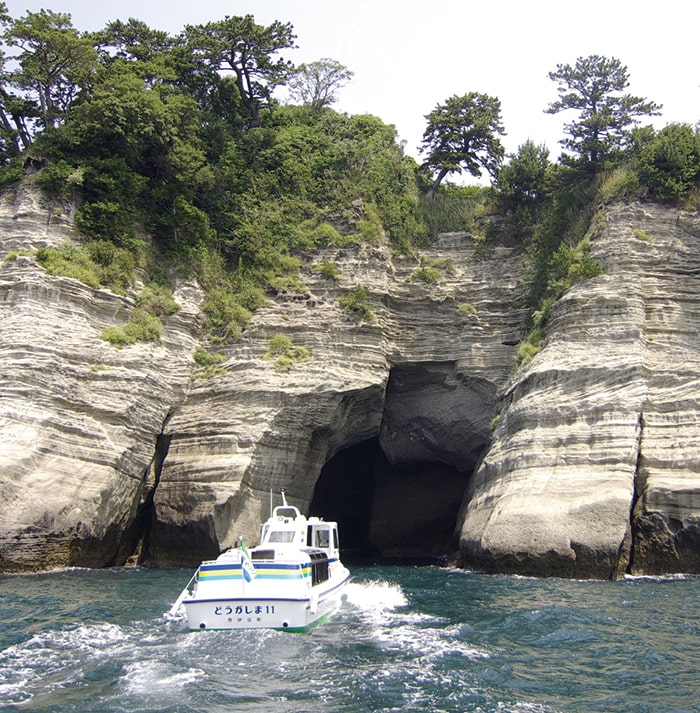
(592,469)
(604,420)
(79,419)
(253,430)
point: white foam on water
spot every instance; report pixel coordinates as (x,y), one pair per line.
(427,643)
(521,707)
(54,659)
(158,678)
(658,577)
(375,596)
(86,637)
(15,692)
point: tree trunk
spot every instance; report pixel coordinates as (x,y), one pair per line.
(436,183)
(11,134)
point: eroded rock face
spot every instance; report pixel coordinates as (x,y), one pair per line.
(104,447)
(594,468)
(254,430)
(79,419)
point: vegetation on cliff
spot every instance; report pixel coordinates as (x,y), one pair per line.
(180,157)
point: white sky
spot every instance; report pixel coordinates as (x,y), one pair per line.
(407,57)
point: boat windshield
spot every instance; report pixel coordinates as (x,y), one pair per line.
(281,536)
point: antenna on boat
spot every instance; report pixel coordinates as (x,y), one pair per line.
(284,499)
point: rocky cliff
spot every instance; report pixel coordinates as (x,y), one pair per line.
(113,455)
(595,465)
(80,420)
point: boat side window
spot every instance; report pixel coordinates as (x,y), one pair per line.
(322,538)
(335,539)
(282,536)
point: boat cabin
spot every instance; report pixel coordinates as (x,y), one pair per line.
(287,526)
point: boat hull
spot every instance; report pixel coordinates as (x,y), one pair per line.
(294,615)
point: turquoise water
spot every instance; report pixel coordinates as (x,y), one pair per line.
(407,639)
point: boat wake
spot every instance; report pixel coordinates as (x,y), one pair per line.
(376,597)
(394,626)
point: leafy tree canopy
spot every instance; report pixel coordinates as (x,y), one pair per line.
(523,179)
(463,133)
(316,83)
(179,139)
(239,45)
(670,161)
(54,63)
(594,87)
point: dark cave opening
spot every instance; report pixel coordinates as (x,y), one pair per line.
(398,496)
(344,493)
(390,513)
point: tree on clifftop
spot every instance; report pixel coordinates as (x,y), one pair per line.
(316,83)
(239,45)
(54,62)
(463,133)
(593,87)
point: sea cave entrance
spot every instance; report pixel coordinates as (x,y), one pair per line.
(386,512)
(397,496)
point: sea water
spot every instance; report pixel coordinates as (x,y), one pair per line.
(406,639)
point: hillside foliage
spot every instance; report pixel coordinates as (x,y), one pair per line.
(180,158)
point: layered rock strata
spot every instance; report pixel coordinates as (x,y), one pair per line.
(253,429)
(109,450)
(115,454)
(79,419)
(594,469)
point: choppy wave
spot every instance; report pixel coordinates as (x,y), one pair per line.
(375,596)
(411,639)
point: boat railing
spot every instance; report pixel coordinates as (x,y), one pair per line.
(186,592)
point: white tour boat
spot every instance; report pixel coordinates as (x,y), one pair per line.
(290,581)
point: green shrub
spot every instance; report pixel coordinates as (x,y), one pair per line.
(209,362)
(60,179)
(466,309)
(205,358)
(10,174)
(442,264)
(449,212)
(70,260)
(224,316)
(285,353)
(283,364)
(670,163)
(14,254)
(117,266)
(530,347)
(622,182)
(570,265)
(355,304)
(279,344)
(328,270)
(141,327)
(95,263)
(326,234)
(157,300)
(429,275)
(370,227)
(641,235)
(431,270)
